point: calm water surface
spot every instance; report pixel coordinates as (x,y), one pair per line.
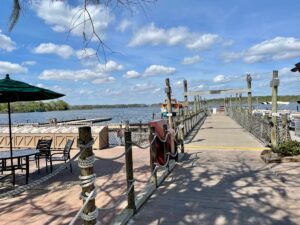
(134,115)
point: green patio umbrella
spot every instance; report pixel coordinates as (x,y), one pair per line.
(17,91)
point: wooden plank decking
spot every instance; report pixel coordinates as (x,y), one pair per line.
(223,181)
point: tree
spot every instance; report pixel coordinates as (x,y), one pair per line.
(17,7)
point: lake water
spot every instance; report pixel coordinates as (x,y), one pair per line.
(118,115)
(134,115)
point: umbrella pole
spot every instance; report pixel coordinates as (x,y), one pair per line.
(10,144)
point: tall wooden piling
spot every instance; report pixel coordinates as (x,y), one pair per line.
(129,167)
(152,154)
(240,101)
(200,103)
(249,80)
(195,104)
(168,91)
(186,101)
(274,84)
(285,126)
(85,136)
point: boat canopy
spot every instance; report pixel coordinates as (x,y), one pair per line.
(278,102)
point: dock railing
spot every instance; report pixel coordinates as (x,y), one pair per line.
(89,212)
(261,125)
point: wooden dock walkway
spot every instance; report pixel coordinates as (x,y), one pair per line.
(223,181)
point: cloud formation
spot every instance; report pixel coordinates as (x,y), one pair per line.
(152,70)
(63,51)
(155,70)
(11,68)
(97,75)
(153,35)
(278,48)
(219,78)
(191,60)
(6,43)
(71,19)
(131,74)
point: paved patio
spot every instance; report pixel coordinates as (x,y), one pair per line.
(224,181)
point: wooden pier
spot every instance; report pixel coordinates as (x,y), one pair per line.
(223,181)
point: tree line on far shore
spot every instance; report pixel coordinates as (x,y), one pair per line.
(40,106)
(36,106)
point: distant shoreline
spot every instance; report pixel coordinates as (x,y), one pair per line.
(39,106)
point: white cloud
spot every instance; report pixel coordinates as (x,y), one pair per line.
(191,60)
(203,42)
(29,63)
(63,17)
(41,85)
(70,74)
(114,92)
(110,66)
(64,51)
(86,53)
(6,43)
(131,74)
(279,48)
(8,67)
(104,80)
(155,70)
(152,70)
(201,86)
(145,87)
(124,25)
(179,83)
(177,35)
(219,78)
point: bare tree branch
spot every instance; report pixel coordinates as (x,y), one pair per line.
(87,19)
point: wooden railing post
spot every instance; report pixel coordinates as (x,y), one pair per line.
(285,126)
(129,167)
(85,136)
(165,127)
(168,91)
(195,104)
(240,101)
(186,101)
(274,84)
(182,137)
(249,80)
(153,152)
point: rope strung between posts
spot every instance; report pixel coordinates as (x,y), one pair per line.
(86,181)
(115,158)
(147,146)
(83,206)
(93,215)
(165,165)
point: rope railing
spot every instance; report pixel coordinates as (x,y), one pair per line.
(89,180)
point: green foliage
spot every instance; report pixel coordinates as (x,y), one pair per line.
(37,106)
(288,148)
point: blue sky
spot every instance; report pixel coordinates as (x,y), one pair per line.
(212,44)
